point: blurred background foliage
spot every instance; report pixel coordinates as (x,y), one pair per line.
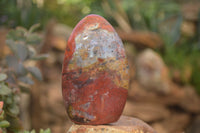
(17,70)
(28,12)
(179,49)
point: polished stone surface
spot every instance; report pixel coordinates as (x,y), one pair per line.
(95,73)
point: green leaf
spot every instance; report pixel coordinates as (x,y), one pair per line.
(33,131)
(45,131)
(175,33)
(20,50)
(41,131)
(3,77)
(9,100)
(40,57)
(26,80)
(17,34)
(35,72)
(11,35)
(4,124)
(170,29)
(31,52)
(16,98)
(21,70)
(21,30)
(4,89)
(11,61)
(11,44)
(14,109)
(33,39)
(2,115)
(18,67)
(34,27)
(11,78)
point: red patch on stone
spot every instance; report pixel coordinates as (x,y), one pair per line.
(95,71)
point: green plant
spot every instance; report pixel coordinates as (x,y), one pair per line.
(3,123)
(21,13)
(16,72)
(71,11)
(41,131)
(28,12)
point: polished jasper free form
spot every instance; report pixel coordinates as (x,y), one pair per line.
(95,73)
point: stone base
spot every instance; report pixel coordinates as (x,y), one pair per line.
(124,125)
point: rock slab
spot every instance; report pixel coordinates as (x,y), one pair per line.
(124,125)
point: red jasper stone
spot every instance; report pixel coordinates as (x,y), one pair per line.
(95,73)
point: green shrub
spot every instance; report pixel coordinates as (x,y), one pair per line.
(41,131)
(16,72)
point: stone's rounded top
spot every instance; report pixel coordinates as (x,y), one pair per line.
(91,22)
